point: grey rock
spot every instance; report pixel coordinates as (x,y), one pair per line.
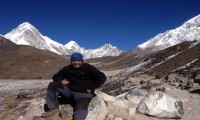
(161,105)
(63,114)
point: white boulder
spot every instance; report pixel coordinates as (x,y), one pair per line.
(136,95)
(97,109)
(161,105)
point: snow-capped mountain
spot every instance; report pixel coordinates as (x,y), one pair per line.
(189,31)
(27,34)
(72,46)
(55,46)
(105,50)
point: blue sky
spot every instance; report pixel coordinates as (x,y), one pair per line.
(93,23)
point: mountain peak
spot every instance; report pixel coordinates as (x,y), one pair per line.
(26,25)
(70,44)
(108,44)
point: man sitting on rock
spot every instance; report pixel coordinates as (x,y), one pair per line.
(77,80)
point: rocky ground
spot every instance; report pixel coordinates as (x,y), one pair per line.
(22,99)
(190,97)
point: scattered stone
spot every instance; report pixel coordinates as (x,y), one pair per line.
(189,83)
(63,113)
(142,82)
(2,110)
(182,86)
(163,89)
(27,93)
(197,76)
(159,75)
(1,99)
(175,84)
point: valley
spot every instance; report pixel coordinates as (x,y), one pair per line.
(24,99)
(158,79)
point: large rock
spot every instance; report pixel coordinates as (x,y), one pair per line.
(160,105)
(105,96)
(122,108)
(136,95)
(97,109)
(119,107)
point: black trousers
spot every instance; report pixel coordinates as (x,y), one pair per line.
(82,100)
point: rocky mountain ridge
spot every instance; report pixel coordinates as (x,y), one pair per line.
(27,34)
(188,31)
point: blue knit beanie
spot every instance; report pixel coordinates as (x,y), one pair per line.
(76,57)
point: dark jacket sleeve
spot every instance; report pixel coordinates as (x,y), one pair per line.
(60,75)
(98,78)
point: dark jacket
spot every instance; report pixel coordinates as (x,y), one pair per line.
(81,79)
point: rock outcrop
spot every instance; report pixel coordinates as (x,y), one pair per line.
(106,107)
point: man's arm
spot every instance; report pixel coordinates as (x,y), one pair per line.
(98,78)
(60,75)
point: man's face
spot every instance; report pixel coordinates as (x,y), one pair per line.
(77,63)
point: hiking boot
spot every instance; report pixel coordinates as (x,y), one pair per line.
(50,112)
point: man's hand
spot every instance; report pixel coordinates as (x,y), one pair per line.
(89,91)
(64,82)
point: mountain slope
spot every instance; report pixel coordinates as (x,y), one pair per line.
(183,56)
(25,62)
(178,58)
(189,31)
(5,41)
